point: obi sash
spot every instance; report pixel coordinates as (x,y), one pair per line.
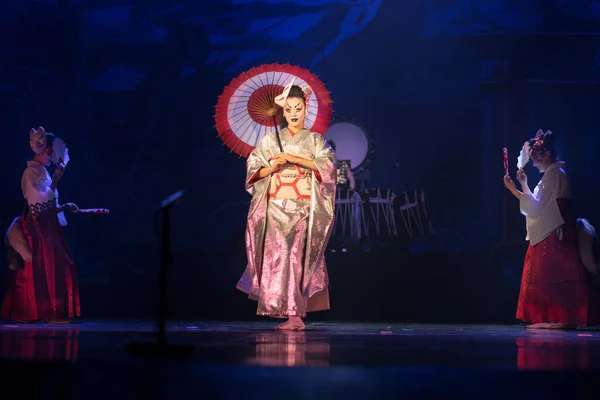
(291,182)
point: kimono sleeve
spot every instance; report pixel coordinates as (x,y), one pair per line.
(532,205)
(259,158)
(36,186)
(326,172)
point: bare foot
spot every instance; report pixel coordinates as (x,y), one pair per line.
(58,321)
(539,325)
(562,326)
(294,323)
(550,325)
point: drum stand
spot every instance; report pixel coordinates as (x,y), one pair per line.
(411,215)
(381,207)
(348,214)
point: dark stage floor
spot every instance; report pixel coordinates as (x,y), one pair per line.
(89,360)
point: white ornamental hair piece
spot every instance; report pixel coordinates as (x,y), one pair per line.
(539,133)
(307,92)
(523,158)
(37,139)
(280,100)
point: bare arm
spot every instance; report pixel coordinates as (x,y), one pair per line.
(522,178)
(510,185)
(266,171)
(306,163)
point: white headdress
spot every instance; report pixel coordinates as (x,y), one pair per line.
(523,158)
(280,100)
(38,139)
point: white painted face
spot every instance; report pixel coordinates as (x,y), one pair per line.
(295,112)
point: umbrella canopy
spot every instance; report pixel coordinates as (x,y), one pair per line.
(244,112)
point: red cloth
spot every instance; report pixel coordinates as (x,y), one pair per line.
(40,344)
(555,286)
(45,288)
(558,353)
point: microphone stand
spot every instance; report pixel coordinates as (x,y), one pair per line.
(161,347)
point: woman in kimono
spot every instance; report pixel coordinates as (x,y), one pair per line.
(45,287)
(291,176)
(555,286)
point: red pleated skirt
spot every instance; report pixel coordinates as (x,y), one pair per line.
(46,287)
(555,286)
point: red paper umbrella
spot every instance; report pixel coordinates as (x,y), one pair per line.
(244,110)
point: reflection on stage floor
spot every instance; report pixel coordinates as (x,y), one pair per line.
(250,359)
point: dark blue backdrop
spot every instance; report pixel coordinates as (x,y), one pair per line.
(441,86)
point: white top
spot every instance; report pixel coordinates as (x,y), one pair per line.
(541,210)
(35,184)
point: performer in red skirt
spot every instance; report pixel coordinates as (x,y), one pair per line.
(555,287)
(45,286)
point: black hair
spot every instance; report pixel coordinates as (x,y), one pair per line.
(50,138)
(547,143)
(331,144)
(295,92)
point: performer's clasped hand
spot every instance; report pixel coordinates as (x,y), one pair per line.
(281,159)
(276,164)
(290,158)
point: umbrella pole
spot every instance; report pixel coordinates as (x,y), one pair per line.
(277,133)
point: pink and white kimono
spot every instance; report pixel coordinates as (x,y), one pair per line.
(289,224)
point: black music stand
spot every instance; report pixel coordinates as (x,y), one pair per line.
(161,347)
